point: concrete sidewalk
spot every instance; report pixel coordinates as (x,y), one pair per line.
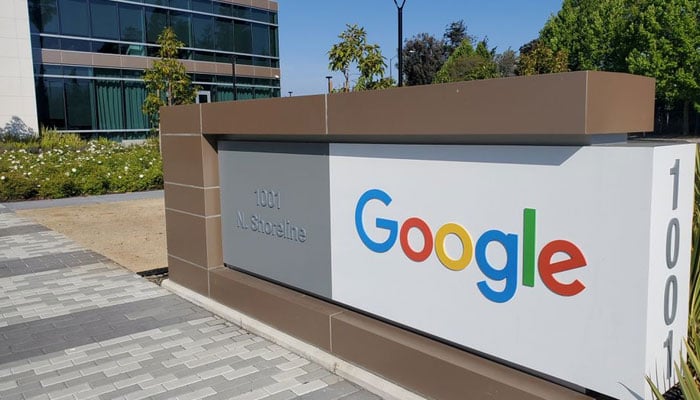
(81,201)
(74,325)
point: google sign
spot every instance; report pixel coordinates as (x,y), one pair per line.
(570,262)
(508,241)
(562,260)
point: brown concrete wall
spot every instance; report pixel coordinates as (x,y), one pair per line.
(544,109)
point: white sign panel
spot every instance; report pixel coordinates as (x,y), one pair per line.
(569,261)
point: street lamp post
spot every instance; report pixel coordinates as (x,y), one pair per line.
(290,93)
(330,83)
(399,9)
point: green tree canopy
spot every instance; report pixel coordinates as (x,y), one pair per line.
(353,49)
(507,63)
(656,38)
(423,56)
(665,44)
(536,58)
(167,82)
(589,32)
(455,34)
(468,63)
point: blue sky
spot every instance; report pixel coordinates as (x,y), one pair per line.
(308,29)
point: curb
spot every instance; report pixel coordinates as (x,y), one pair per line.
(367,380)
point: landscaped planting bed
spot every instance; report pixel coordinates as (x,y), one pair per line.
(61,165)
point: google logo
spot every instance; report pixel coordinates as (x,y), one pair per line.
(471,250)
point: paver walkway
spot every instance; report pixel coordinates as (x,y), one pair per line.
(74,325)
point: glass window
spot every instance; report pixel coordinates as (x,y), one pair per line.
(243,37)
(223,9)
(43,16)
(273,17)
(105,47)
(180,22)
(184,4)
(263,93)
(261,40)
(204,56)
(75,45)
(108,72)
(261,62)
(223,93)
(103,16)
(79,100)
(134,95)
(74,17)
(201,5)
(244,60)
(77,71)
(223,29)
(259,15)
(52,69)
(50,43)
(133,49)
(50,103)
(244,93)
(157,2)
(202,78)
(131,23)
(110,105)
(241,12)
(275,93)
(132,73)
(274,42)
(202,32)
(156,21)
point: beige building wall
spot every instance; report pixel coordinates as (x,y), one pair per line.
(17,94)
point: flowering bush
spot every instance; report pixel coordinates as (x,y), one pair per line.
(60,165)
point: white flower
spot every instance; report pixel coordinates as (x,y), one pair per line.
(2,178)
(140,175)
(73,170)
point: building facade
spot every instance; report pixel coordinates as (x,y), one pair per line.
(88,56)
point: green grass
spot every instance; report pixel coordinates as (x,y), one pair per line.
(56,165)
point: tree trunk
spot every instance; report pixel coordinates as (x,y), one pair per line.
(686,118)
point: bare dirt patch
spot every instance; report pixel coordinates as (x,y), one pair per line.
(131,233)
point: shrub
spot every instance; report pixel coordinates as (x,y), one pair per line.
(62,165)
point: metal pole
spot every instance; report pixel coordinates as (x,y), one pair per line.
(399,8)
(330,84)
(233,75)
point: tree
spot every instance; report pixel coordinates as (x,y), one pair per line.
(423,57)
(506,63)
(353,49)
(455,34)
(589,31)
(467,63)
(656,38)
(666,45)
(536,58)
(167,82)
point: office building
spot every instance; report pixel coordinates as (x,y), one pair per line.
(76,65)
